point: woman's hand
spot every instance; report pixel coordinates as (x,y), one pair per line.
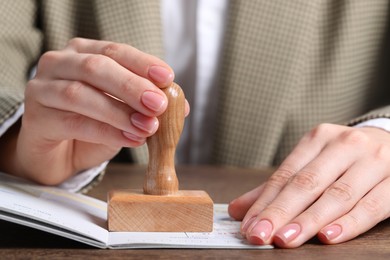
(335,183)
(85,103)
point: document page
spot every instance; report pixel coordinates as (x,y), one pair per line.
(226,234)
(83,218)
(53,210)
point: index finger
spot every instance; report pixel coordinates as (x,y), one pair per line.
(140,63)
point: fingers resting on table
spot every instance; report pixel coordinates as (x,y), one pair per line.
(334,184)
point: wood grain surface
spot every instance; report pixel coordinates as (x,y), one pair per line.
(222,184)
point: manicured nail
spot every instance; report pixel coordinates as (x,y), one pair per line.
(288,233)
(187,108)
(133,137)
(261,232)
(160,74)
(331,232)
(246,225)
(147,124)
(153,100)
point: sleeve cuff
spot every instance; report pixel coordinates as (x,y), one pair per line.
(382,123)
(85,180)
(11,120)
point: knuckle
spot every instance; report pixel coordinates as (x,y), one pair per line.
(280,177)
(354,137)
(47,59)
(305,180)
(103,130)
(73,122)
(353,220)
(31,86)
(373,207)
(340,191)
(128,86)
(74,42)
(72,92)
(77,124)
(278,211)
(315,216)
(92,64)
(382,152)
(111,50)
(36,92)
(320,130)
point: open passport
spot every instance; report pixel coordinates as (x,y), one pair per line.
(84,219)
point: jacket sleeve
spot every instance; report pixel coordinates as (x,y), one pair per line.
(383,112)
(20,45)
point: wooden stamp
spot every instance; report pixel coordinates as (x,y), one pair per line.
(162,207)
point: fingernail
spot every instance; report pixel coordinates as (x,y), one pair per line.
(246,225)
(153,101)
(187,108)
(331,232)
(288,233)
(147,124)
(261,232)
(133,137)
(160,74)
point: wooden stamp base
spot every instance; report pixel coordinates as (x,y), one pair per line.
(185,211)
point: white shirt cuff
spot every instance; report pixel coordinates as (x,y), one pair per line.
(382,123)
(82,179)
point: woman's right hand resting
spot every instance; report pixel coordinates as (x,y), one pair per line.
(85,103)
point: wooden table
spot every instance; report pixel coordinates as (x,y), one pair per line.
(223,185)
